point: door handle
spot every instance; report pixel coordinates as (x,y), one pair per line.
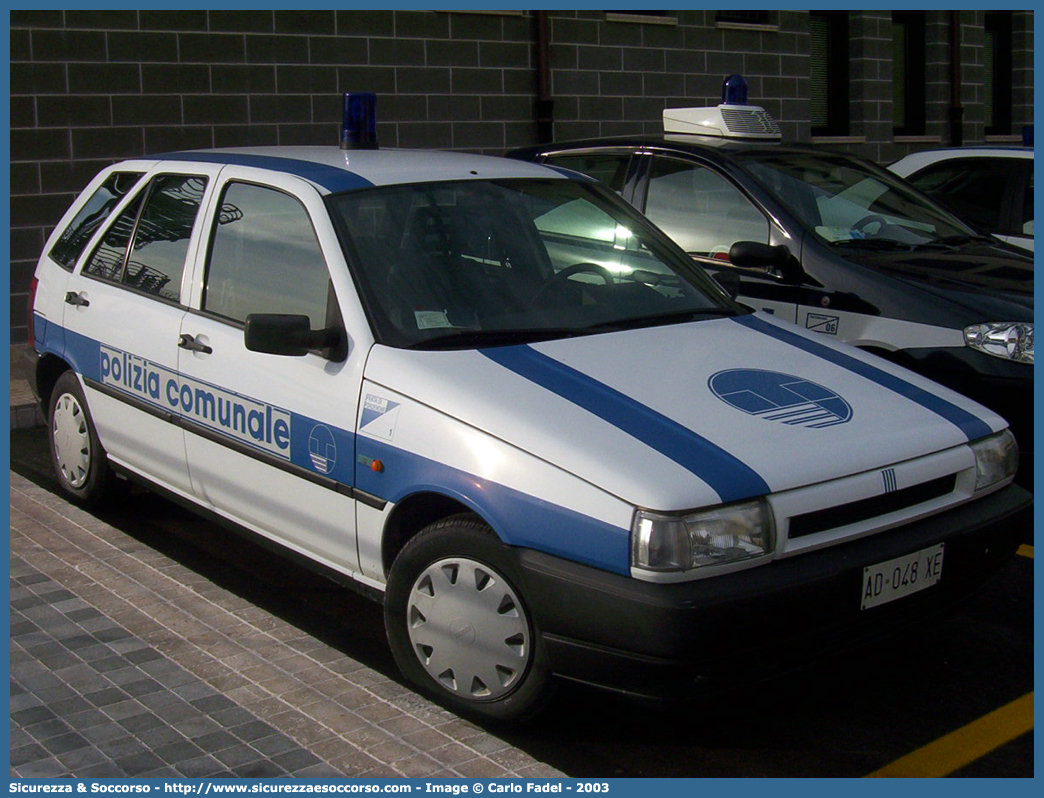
(76,299)
(190,343)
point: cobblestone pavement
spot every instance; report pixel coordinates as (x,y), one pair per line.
(126,663)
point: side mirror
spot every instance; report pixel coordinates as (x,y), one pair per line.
(775,260)
(289,334)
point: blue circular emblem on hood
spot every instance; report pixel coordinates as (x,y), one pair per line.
(780,397)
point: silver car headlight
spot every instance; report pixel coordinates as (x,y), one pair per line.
(996,459)
(1010,340)
(717,536)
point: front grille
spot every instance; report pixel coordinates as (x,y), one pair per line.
(864,509)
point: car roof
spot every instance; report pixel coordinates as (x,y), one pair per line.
(712,146)
(333,169)
(985,149)
(918,160)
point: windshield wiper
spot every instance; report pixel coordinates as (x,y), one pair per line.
(957,240)
(467,339)
(659,319)
(872,243)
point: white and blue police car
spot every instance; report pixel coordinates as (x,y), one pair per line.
(492,395)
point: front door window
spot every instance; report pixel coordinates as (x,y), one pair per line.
(702,211)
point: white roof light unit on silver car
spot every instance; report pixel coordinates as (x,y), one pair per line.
(732,119)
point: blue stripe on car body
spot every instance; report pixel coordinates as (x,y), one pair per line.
(331,178)
(972,426)
(519,518)
(732,479)
(196,400)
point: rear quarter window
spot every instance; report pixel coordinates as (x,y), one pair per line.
(91,216)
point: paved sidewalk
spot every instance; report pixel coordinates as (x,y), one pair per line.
(24,410)
(126,663)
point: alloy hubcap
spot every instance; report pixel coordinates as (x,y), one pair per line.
(468,629)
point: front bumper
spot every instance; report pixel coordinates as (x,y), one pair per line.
(668,640)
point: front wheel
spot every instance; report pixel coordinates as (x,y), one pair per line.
(80,463)
(459,626)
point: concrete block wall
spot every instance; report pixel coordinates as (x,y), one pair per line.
(615,77)
(92,87)
(870,79)
(973,61)
(973,73)
(1022,66)
(937,76)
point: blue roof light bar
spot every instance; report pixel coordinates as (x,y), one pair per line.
(734,90)
(359,126)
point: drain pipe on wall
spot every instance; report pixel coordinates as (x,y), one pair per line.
(956,109)
(545,106)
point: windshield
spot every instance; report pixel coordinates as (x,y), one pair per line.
(848,203)
(476,263)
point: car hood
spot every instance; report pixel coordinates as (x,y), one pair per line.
(990,281)
(689,415)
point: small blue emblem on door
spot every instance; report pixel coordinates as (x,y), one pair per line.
(322,449)
(780,397)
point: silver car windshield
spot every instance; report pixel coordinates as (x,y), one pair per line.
(481,263)
(848,203)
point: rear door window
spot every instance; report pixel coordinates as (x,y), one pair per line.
(158,234)
(107,261)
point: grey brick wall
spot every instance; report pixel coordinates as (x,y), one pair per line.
(91,87)
(937,76)
(616,77)
(1022,66)
(973,40)
(870,78)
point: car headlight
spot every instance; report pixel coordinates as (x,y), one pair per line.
(996,459)
(718,536)
(1011,340)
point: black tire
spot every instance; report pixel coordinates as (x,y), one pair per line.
(79,461)
(453,584)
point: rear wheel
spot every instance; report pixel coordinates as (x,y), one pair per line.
(79,461)
(459,626)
